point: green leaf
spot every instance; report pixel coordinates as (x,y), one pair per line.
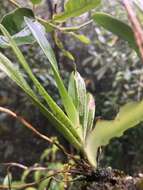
(117,27)
(21,38)
(76,8)
(35,2)
(37,175)
(90,111)
(44,184)
(39,34)
(13,73)
(25,175)
(129,116)
(82,38)
(77,91)
(14,21)
(81,91)
(72,90)
(54,107)
(68,54)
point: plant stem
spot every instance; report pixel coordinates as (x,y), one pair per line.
(138,32)
(72,28)
(15,3)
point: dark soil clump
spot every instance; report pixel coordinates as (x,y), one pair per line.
(109,179)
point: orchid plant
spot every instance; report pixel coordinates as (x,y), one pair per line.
(76,121)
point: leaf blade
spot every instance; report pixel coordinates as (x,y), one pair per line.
(21,38)
(13,73)
(117,27)
(129,116)
(76,8)
(54,107)
(90,114)
(40,37)
(14,21)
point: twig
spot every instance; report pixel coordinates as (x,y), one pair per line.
(135,26)
(15,3)
(70,180)
(29,126)
(12,164)
(72,28)
(31,168)
(49,22)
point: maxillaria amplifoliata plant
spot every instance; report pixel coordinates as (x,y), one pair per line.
(76,124)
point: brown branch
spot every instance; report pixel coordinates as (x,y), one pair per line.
(138,32)
(12,164)
(29,126)
(30,169)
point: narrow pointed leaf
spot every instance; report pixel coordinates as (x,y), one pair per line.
(117,27)
(13,73)
(129,116)
(72,90)
(39,34)
(81,91)
(90,114)
(54,107)
(77,91)
(74,8)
